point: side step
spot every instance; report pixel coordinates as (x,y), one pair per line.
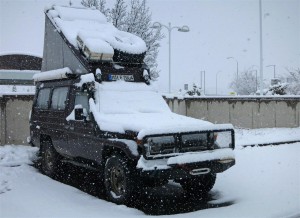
(75,163)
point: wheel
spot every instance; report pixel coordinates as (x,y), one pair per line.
(200,185)
(51,160)
(119,179)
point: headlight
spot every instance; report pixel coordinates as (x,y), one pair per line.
(160,145)
(223,140)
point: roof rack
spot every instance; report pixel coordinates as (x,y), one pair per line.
(63,73)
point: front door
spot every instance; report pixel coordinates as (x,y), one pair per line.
(81,137)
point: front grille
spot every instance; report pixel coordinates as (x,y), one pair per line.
(194,142)
(179,143)
(161,144)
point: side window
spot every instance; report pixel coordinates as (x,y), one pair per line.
(82,99)
(59,97)
(43,98)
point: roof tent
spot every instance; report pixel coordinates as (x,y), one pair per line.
(83,40)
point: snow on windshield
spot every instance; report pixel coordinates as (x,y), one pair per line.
(93,29)
(128,98)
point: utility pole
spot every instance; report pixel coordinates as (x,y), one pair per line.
(261,49)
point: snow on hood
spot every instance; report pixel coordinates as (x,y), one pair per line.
(122,106)
(94,30)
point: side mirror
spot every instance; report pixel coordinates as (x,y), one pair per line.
(79,114)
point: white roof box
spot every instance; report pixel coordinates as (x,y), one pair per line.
(95,49)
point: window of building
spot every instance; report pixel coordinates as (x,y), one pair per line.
(59,98)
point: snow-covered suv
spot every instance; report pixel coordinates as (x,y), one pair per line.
(107,116)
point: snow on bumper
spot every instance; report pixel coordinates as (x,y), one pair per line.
(221,155)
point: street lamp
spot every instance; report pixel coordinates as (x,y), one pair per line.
(237,67)
(217,82)
(274,66)
(158,25)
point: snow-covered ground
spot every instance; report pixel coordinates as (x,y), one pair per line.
(265,182)
(262,136)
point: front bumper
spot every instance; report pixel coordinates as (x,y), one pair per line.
(187,165)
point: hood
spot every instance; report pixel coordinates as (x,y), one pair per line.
(150,123)
(121,106)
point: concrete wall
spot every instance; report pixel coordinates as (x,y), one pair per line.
(14,113)
(252,112)
(241,112)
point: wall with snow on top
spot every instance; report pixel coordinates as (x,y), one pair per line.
(242,112)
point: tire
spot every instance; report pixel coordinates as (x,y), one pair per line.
(199,186)
(121,56)
(51,160)
(120,179)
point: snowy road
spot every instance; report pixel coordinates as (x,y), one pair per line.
(264,183)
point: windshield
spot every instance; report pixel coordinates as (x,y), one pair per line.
(121,98)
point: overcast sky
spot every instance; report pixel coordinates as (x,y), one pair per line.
(219,29)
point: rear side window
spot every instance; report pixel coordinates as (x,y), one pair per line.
(59,98)
(43,98)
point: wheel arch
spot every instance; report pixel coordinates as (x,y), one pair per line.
(120,148)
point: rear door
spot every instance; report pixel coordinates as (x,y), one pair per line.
(39,115)
(57,118)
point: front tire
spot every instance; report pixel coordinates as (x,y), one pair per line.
(199,186)
(120,179)
(51,160)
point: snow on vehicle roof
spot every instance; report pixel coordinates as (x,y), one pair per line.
(52,74)
(72,13)
(91,27)
(122,106)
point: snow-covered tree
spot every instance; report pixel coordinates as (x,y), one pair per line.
(278,89)
(118,14)
(90,3)
(293,80)
(245,84)
(152,53)
(136,20)
(98,4)
(195,91)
